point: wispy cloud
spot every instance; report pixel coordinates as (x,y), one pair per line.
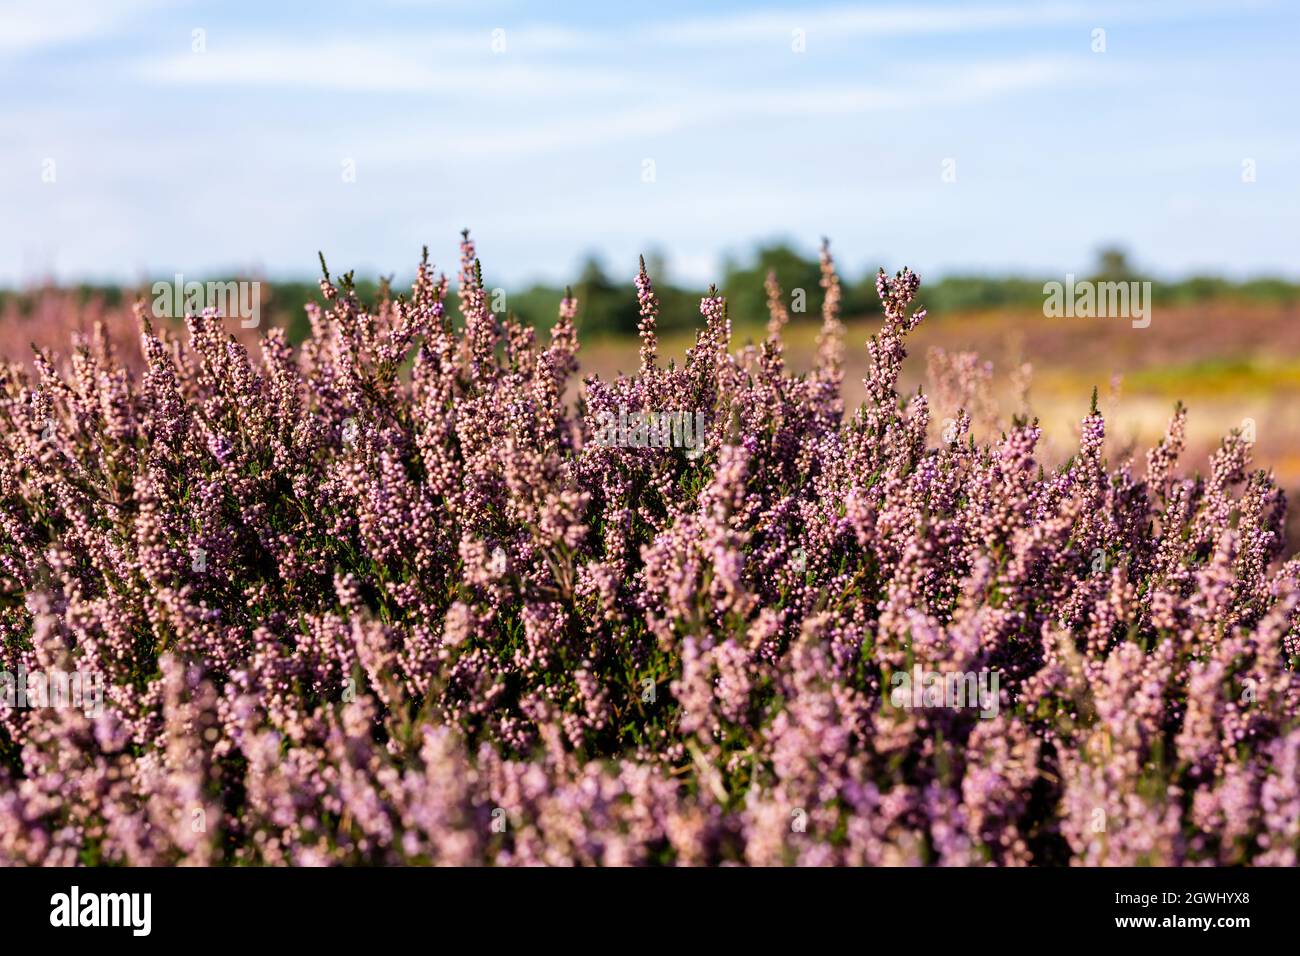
(519,62)
(845,21)
(947,85)
(30,25)
(853,21)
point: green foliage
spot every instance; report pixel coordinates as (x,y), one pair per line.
(743,285)
(607,304)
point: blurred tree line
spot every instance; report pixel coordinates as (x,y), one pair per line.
(608,306)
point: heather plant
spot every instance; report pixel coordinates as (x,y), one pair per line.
(384,598)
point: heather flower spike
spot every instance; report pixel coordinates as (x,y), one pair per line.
(649,306)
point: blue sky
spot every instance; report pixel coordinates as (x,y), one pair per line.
(236,157)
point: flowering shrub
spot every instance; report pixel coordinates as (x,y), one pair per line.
(384,599)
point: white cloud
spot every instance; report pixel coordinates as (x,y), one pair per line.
(30,25)
(844,21)
(838,22)
(937,87)
(463,64)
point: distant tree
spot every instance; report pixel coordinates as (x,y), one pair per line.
(592,274)
(1112,263)
(604,306)
(744,285)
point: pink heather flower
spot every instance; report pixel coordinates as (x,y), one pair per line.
(649,306)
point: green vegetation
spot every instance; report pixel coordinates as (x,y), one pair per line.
(608,307)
